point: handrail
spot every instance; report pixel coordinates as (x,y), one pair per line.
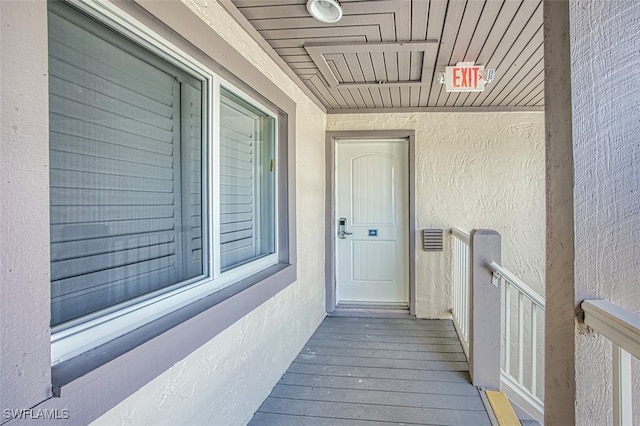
(615,323)
(520,362)
(518,283)
(623,329)
(514,381)
(457,232)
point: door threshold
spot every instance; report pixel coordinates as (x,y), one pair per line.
(370,310)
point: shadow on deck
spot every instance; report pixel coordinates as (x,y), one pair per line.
(366,371)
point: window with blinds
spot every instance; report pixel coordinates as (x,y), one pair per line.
(127,169)
(247,182)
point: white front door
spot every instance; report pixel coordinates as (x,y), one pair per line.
(372,210)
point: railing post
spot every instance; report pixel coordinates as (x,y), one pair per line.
(484,339)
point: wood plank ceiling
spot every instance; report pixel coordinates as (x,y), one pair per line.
(389,54)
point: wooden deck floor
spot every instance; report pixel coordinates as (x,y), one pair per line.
(374,371)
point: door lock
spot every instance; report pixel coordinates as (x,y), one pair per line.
(342,228)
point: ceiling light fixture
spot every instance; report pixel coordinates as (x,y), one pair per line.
(328,11)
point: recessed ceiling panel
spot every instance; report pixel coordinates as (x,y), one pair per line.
(364,65)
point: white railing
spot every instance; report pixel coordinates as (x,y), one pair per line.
(461,292)
(522,363)
(623,329)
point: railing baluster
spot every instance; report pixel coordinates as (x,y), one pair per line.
(458,282)
(534,348)
(520,339)
(463,293)
(507,327)
(467,290)
(622,401)
(457,278)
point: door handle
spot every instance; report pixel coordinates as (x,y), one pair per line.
(342,228)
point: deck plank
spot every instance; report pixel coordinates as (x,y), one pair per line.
(379,397)
(432,355)
(383,413)
(401,332)
(273,419)
(375,371)
(382,362)
(379,373)
(407,347)
(387,338)
(388,322)
(390,385)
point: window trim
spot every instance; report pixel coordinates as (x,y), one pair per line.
(272,258)
(95,381)
(140,46)
(71,340)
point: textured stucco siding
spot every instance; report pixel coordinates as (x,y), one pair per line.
(227,379)
(24,223)
(605,56)
(473,170)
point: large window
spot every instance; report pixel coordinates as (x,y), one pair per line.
(126,153)
(149,192)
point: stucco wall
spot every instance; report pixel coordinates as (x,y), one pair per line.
(227,379)
(24,178)
(606,140)
(473,170)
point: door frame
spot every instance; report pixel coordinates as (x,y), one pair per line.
(330,208)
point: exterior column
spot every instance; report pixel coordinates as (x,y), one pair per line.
(605,70)
(484,330)
(560,389)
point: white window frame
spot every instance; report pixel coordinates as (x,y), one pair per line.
(77,337)
(235,274)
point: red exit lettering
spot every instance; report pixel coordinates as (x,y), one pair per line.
(465,77)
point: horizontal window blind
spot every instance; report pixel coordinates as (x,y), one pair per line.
(193,174)
(126,169)
(237,183)
(247,183)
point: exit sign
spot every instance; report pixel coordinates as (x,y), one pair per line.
(465,77)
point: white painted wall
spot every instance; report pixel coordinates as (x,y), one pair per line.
(225,381)
(473,170)
(605,57)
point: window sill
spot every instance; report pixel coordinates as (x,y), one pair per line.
(167,340)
